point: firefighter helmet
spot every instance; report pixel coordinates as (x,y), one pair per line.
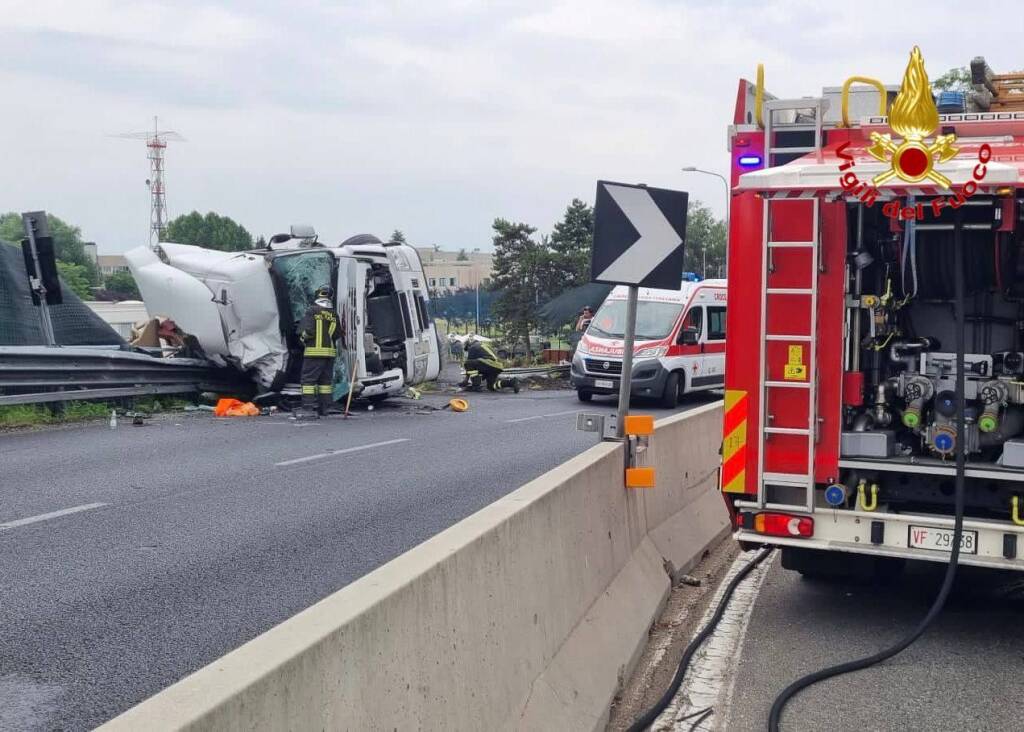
(326,291)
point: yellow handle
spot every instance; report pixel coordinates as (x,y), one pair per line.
(759,97)
(874,496)
(1015,513)
(883,95)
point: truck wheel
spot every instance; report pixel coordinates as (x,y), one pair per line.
(670,398)
(584,396)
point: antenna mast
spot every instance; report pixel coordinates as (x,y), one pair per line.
(156,144)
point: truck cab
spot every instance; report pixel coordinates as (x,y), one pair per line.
(679,347)
(243,308)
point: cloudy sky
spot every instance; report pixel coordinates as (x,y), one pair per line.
(433,117)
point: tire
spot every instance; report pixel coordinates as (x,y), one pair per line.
(584,396)
(670,397)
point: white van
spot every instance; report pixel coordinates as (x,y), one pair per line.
(243,307)
(679,347)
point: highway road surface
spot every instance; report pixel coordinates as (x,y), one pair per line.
(963,674)
(132,557)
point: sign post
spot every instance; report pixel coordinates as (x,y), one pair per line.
(41,266)
(638,241)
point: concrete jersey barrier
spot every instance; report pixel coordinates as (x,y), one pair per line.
(526,615)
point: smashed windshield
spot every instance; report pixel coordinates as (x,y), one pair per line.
(301,275)
(654,320)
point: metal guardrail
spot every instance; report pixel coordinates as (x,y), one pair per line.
(37,374)
(522,371)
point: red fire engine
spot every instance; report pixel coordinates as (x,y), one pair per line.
(842,418)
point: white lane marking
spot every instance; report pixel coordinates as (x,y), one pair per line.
(51,515)
(541,416)
(709,680)
(332,453)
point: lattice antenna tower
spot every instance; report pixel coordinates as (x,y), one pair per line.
(156,144)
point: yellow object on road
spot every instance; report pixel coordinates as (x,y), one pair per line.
(459,405)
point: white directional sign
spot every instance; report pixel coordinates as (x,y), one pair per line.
(638,235)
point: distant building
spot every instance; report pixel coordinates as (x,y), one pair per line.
(111,263)
(121,316)
(445,272)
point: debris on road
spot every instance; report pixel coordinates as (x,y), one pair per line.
(235,408)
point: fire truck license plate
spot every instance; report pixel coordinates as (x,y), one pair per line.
(941,540)
(604,383)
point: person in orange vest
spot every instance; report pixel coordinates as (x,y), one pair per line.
(319,330)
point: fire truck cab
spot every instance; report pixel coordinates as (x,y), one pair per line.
(839,423)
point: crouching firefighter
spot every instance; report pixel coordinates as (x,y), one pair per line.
(319,330)
(482,362)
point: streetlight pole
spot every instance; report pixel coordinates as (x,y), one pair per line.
(728,195)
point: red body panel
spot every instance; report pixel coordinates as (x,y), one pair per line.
(787,314)
(743,318)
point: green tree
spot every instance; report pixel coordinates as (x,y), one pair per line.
(67,241)
(571,243)
(953,80)
(121,286)
(261,242)
(519,263)
(462,257)
(76,277)
(398,236)
(211,231)
(704,231)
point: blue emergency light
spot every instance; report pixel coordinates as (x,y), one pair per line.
(749,161)
(691,277)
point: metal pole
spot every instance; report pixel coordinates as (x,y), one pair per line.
(478,305)
(728,203)
(626,380)
(37,283)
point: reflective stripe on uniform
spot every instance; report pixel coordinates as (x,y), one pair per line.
(308,389)
(328,352)
(326,389)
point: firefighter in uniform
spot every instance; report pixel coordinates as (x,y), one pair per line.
(481,359)
(319,330)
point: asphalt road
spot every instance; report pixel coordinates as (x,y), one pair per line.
(963,674)
(132,557)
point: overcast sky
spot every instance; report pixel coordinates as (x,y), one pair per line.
(430,116)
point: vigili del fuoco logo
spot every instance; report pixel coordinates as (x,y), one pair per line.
(914,117)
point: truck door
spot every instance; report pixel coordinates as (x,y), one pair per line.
(422,349)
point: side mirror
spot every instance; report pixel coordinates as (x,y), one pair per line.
(689,336)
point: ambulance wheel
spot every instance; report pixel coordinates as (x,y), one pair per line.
(670,398)
(584,396)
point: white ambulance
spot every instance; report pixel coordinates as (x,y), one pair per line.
(679,347)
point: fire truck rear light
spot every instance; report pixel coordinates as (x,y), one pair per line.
(783,524)
(749,161)
(741,142)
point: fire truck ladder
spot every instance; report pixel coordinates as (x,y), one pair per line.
(769,386)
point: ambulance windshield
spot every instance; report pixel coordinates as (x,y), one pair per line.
(654,320)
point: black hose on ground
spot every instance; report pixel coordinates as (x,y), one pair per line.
(954,557)
(647,718)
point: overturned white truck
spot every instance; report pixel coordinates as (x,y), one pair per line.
(243,308)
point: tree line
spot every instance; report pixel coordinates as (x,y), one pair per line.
(531,270)
(83,277)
